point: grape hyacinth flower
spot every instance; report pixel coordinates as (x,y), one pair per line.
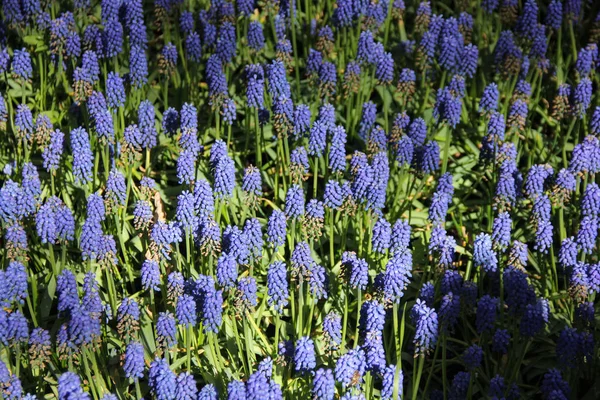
(426,322)
(83,158)
(133,364)
(277,286)
(350,368)
(483,255)
(381,236)
(323,384)
(162,380)
(304,356)
(24,123)
(276,229)
(150,274)
(69,387)
(21,65)
(294,202)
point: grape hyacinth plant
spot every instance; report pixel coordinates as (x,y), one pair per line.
(299,200)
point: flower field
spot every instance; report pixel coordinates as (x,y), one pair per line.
(271,199)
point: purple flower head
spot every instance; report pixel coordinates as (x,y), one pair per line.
(449,311)
(216,80)
(585,156)
(397,276)
(236,390)
(384,71)
(500,341)
(323,384)
(483,254)
(573,9)
(112,39)
(193,47)
(174,286)
(317,139)
(372,318)
(304,356)
(406,81)
(15,278)
(554,386)
(536,179)
(356,269)
(369,114)
(587,234)
(327,78)
(472,357)
(256,38)
(382,231)
(83,157)
(138,66)
(582,97)
(24,122)
(333,197)
(332,329)
(162,380)
(226,42)
(186,22)
(170,121)
(501,230)
(534,318)
(278,85)
(489,99)
(400,237)
(350,368)
(362,176)
(276,229)
(21,65)
(212,314)
(452,281)
(427,158)
(426,325)
(186,387)
(115,91)
(277,286)
(247,293)
(590,203)
(447,107)
(150,274)
(208,392)
(69,387)
(366,47)
(554,14)
(585,313)
(567,255)
(227,270)
(16,241)
(146,124)
(486,313)
(166,330)
(237,242)
(460,386)
(314,62)
(294,202)
(224,175)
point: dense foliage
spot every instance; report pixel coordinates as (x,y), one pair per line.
(325,199)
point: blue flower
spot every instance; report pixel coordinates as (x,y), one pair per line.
(472,357)
(426,325)
(277,286)
(323,385)
(186,387)
(162,380)
(350,368)
(69,387)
